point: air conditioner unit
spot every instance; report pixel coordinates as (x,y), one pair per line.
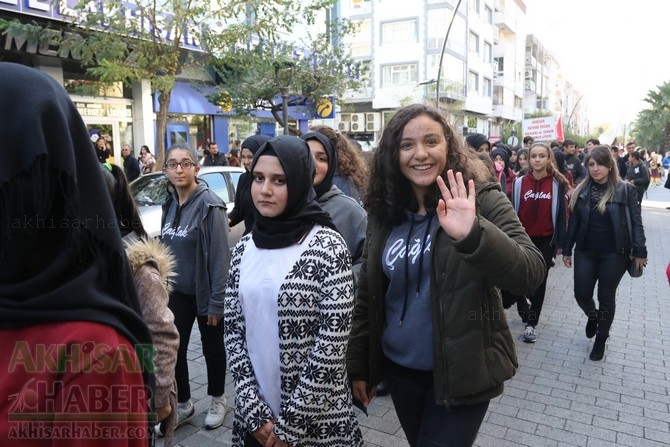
(344,126)
(530,85)
(529,60)
(529,74)
(357,123)
(373,122)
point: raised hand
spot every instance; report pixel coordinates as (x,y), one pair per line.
(456,209)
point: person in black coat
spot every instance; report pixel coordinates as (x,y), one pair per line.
(130,164)
(606,227)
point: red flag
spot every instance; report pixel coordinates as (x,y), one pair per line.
(559,129)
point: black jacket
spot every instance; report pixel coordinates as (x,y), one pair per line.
(131,167)
(244,206)
(624,196)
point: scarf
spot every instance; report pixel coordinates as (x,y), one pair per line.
(60,248)
(302,211)
(327,182)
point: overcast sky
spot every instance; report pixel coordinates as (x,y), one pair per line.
(613,51)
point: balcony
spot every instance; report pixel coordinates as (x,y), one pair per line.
(505,20)
(451,91)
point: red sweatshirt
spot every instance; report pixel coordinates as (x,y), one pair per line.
(535,205)
(70,384)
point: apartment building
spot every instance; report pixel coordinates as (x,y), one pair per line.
(492,75)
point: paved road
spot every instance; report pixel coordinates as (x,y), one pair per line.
(558,397)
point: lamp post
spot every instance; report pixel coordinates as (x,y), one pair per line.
(284,107)
(444,46)
(283,76)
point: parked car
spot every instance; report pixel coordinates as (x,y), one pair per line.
(150,192)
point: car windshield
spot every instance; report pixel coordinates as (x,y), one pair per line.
(149,190)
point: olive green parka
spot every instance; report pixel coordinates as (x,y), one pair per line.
(473,348)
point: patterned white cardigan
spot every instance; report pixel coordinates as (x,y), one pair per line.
(315,305)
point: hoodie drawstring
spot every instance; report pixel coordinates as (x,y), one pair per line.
(407,261)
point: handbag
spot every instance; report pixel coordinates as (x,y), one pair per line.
(633,271)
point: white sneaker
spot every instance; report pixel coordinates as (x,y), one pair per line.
(529,335)
(183,415)
(216,413)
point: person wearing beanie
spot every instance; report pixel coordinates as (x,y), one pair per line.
(244,207)
(478,142)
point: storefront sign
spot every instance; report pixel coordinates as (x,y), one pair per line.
(104,110)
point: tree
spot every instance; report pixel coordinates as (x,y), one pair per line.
(251,76)
(652,127)
(159,40)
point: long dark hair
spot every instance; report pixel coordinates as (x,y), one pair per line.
(552,168)
(603,156)
(124,205)
(389,193)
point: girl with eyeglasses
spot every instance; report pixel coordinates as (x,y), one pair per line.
(195,227)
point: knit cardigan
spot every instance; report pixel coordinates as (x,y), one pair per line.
(315,306)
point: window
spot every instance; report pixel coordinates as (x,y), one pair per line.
(488,52)
(473,82)
(475,5)
(399,74)
(488,15)
(487,90)
(217,182)
(501,63)
(399,31)
(436,27)
(473,43)
(497,95)
(361,42)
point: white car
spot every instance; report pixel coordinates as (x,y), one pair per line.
(150,192)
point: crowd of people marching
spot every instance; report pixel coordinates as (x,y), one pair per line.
(350,275)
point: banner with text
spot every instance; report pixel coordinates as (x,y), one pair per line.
(541,129)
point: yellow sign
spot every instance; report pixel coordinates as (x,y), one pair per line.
(325,108)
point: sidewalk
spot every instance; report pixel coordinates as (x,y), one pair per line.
(558,397)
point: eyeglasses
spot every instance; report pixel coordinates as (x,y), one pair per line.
(184,165)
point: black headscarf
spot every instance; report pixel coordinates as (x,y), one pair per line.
(302,211)
(327,182)
(60,248)
(254,142)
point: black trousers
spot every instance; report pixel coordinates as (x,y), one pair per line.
(184,308)
(425,423)
(606,269)
(537,298)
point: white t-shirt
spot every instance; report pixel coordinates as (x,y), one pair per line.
(262,272)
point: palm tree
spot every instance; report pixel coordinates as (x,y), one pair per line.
(652,128)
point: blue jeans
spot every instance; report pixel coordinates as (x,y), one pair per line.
(425,423)
(607,269)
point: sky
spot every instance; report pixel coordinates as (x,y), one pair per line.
(613,51)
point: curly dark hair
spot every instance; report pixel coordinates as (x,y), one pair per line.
(350,161)
(389,192)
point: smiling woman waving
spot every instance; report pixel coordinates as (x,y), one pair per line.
(442,240)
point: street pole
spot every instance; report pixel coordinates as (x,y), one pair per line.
(284,98)
(444,47)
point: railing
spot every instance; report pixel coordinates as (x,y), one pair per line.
(448,89)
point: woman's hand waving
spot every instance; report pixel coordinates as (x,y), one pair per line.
(456,209)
